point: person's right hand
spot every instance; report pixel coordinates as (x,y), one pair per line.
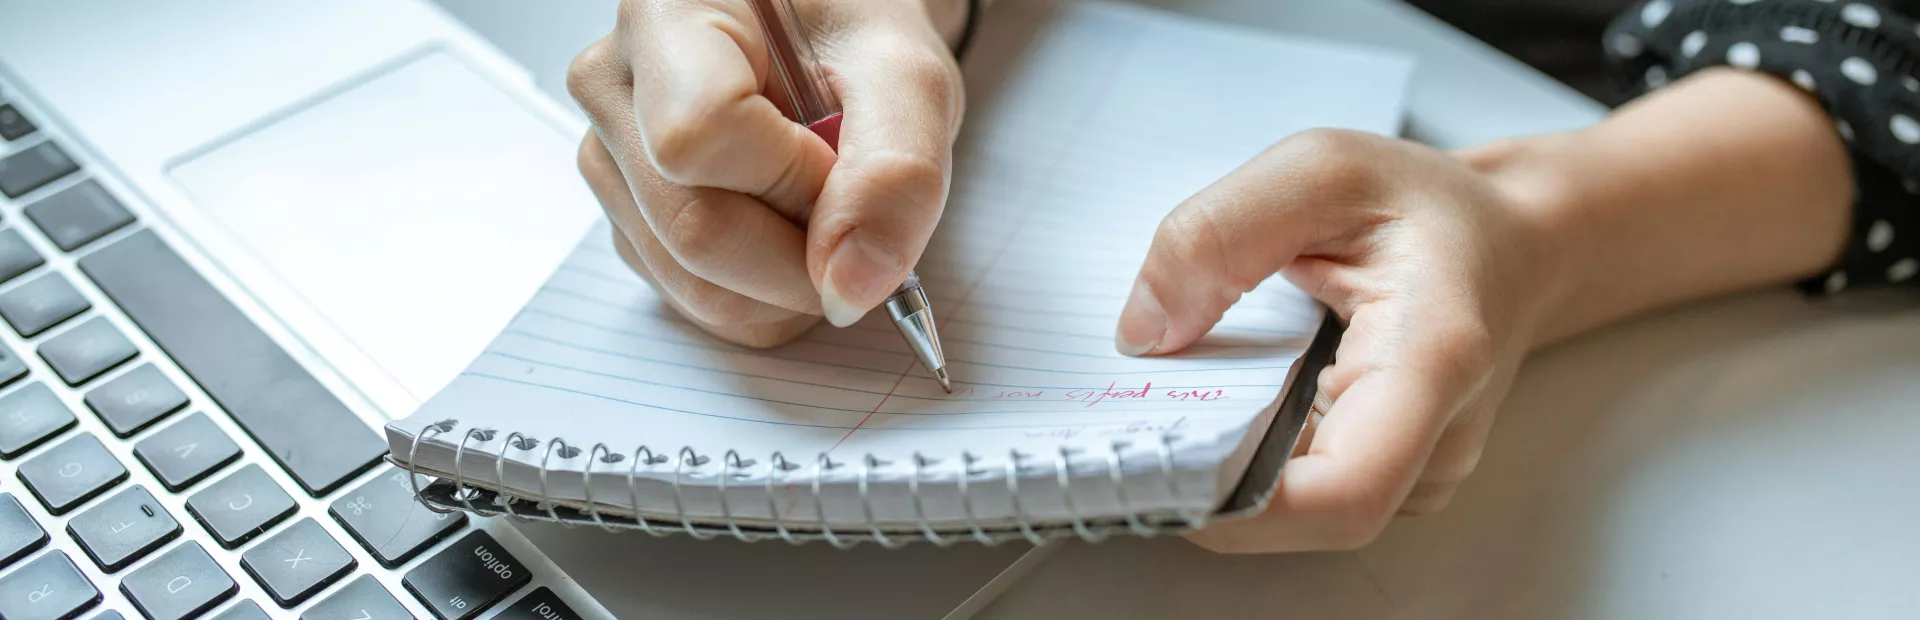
(746,222)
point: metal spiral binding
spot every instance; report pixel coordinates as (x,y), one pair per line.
(460,493)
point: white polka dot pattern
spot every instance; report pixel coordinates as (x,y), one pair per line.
(1655,12)
(1879,236)
(1861,15)
(1796,34)
(1859,70)
(1744,55)
(1691,46)
(1904,129)
(1903,270)
(1804,80)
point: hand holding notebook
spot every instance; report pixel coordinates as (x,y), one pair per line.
(1088,124)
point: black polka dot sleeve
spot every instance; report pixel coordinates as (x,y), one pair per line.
(1858,57)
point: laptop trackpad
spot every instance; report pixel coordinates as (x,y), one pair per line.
(399,222)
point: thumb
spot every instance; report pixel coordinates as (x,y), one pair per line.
(902,97)
(1230,237)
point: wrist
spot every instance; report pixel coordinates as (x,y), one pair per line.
(1536,178)
(949,18)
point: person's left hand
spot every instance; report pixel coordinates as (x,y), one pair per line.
(1440,274)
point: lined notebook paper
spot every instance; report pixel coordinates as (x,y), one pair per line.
(1086,124)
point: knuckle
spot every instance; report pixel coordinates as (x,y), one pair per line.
(676,141)
(695,234)
(1465,350)
(708,303)
(587,73)
(912,177)
(1339,163)
(1192,239)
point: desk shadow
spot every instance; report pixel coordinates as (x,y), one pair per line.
(639,576)
(1688,465)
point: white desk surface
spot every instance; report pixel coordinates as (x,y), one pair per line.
(1750,457)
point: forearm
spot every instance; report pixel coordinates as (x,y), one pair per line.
(1726,181)
(950,17)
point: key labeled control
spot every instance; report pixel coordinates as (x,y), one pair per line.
(541,604)
(467,577)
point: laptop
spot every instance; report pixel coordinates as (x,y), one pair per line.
(236,238)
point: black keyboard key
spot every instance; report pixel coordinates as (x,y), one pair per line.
(383,515)
(19,534)
(11,367)
(41,303)
(541,604)
(86,350)
(243,610)
(182,583)
(285,409)
(122,529)
(69,474)
(48,588)
(29,416)
(182,455)
(362,599)
(16,257)
(13,124)
(135,400)
(467,577)
(78,215)
(30,169)
(241,506)
(297,562)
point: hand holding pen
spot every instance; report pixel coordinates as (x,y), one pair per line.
(748,223)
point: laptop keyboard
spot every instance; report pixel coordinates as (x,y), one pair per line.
(196,519)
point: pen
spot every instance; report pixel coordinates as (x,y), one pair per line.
(815,106)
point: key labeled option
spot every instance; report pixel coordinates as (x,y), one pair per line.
(467,577)
(182,583)
(122,529)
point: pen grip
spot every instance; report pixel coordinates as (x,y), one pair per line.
(828,129)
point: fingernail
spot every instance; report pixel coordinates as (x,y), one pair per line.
(858,274)
(1142,323)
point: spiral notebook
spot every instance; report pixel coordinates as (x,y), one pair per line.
(1087,123)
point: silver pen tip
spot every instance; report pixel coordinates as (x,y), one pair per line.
(946,383)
